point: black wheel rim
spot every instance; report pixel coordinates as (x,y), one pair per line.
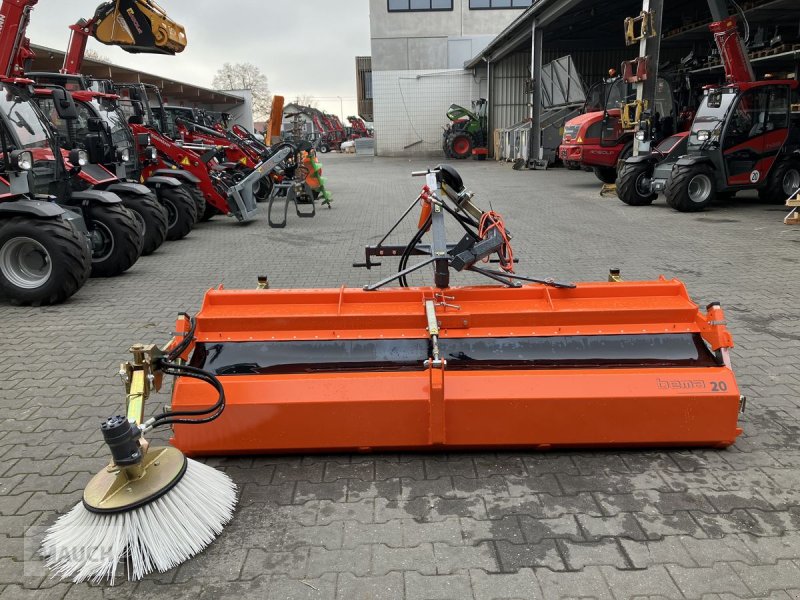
(102,241)
(172,214)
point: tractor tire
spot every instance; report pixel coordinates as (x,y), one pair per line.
(783,182)
(610,174)
(210,212)
(324,148)
(116,239)
(42,261)
(605,174)
(691,188)
(460,144)
(198,197)
(633,186)
(263,189)
(181,212)
(152,218)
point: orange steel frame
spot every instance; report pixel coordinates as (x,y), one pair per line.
(434,407)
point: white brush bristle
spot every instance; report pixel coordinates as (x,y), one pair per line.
(87,546)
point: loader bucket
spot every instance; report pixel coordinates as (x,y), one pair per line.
(138,26)
(600,365)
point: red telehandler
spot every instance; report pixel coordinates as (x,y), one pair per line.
(743,137)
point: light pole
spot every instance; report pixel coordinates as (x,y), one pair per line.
(341,108)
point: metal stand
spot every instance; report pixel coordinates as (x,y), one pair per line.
(288,193)
(445,257)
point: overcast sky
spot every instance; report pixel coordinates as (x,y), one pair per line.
(304,47)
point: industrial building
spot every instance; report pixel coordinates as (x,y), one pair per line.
(419,49)
(417,77)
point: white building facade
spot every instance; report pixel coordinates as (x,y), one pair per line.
(419,48)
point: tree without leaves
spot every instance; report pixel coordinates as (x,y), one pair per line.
(93,54)
(246,76)
(306,101)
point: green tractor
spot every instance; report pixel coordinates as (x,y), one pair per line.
(467,130)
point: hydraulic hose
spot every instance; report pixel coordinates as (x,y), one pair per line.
(205,415)
(410,247)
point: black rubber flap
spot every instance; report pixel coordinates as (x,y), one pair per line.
(558,352)
(237,358)
(585,351)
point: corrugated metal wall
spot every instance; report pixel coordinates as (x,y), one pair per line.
(508,97)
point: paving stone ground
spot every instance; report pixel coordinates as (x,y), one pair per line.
(693,524)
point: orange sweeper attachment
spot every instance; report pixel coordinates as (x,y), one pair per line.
(519,363)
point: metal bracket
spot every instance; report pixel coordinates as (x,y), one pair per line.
(635,71)
(631,114)
(141,378)
(615,276)
(646,21)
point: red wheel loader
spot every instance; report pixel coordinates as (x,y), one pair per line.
(100,130)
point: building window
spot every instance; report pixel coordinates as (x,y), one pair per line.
(487,4)
(418,5)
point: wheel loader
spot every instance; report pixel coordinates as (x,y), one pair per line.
(45,253)
(102,133)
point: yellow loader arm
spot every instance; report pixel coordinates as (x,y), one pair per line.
(138,26)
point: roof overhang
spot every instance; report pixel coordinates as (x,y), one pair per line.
(177,92)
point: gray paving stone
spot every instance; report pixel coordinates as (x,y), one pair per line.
(665,551)
(260,562)
(357,470)
(696,508)
(389,533)
(358,489)
(653,581)
(447,530)
(507,528)
(323,588)
(656,525)
(348,560)
(505,586)
(450,559)
(606,551)
(763,579)
(588,583)
(441,587)
(513,557)
(335,491)
(389,586)
(563,527)
(719,579)
(419,558)
(731,548)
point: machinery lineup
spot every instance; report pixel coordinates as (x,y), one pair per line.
(324,131)
(98,173)
(741,135)
(514,360)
